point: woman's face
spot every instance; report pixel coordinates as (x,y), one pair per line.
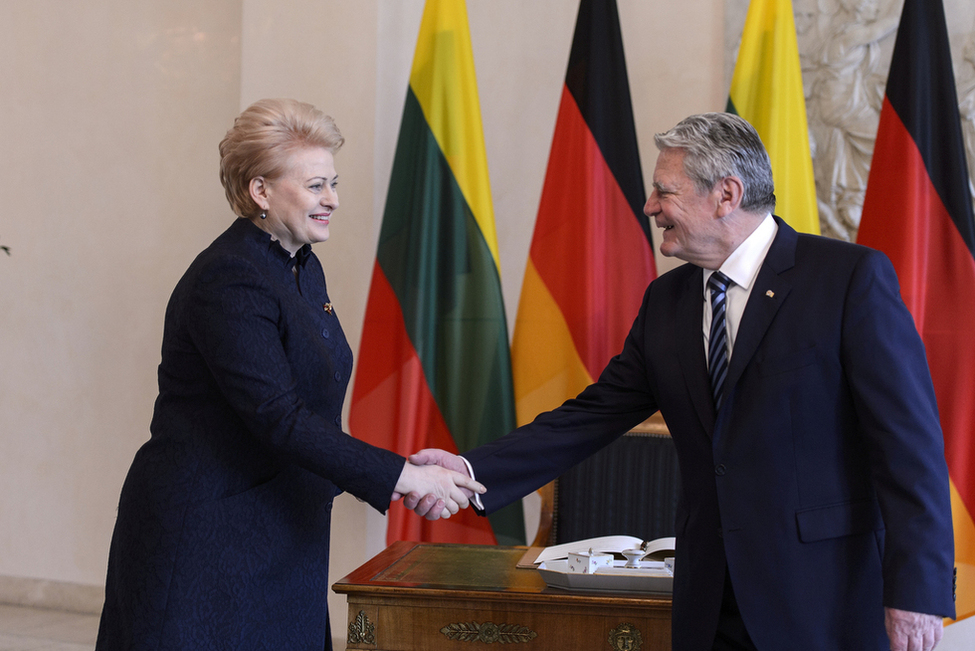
(300,203)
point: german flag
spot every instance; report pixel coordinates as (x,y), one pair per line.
(591,256)
(918,211)
(434,365)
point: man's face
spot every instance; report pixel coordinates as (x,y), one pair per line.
(687,217)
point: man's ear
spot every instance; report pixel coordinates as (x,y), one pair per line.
(730,193)
(258,189)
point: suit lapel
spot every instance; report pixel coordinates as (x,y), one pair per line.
(767,296)
(690,348)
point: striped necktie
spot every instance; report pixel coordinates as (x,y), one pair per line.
(718,338)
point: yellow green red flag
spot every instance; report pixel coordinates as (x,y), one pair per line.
(434,365)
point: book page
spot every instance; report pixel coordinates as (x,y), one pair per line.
(600,544)
(660,548)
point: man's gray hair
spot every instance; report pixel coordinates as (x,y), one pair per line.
(719,145)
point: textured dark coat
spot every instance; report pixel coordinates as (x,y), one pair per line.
(222,534)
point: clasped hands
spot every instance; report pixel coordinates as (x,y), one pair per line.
(435,484)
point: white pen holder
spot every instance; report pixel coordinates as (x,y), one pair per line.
(588,562)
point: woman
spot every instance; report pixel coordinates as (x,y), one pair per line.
(223,525)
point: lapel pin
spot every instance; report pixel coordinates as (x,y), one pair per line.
(770,294)
(328,308)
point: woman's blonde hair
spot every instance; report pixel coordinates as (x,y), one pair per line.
(262,141)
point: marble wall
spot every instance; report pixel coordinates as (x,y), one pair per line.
(845,48)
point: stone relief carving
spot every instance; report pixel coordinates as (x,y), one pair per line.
(844,50)
(965,80)
(846,91)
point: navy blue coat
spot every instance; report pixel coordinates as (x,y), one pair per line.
(222,534)
(821,484)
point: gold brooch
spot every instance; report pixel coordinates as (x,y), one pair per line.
(328,308)
(770,293)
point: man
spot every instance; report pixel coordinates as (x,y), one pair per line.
(814,509)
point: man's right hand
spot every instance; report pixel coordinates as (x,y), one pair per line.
(423,505)
(441,458)
(450,491)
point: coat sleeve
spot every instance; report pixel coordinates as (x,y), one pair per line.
(535,454)
(232,316)
(885,363)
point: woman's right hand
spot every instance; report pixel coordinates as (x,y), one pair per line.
(446,485)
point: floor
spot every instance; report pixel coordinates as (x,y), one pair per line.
(27,629)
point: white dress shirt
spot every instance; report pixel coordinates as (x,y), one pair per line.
(742,268)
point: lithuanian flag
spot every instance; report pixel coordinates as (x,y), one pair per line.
(918,211)
(766,90)
(591,256)
(434,366)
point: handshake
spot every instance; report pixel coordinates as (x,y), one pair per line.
(435,484)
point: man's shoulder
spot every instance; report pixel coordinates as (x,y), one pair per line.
(833,249)
(832,262)
(807,243)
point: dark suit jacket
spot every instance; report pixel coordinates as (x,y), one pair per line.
(222,534)
(821,483)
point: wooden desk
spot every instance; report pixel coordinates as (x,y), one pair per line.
(436,597)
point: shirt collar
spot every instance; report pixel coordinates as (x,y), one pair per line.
(744,262)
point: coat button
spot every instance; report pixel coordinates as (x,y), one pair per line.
(338,421)
(720,470)
(325,333)
(338,376)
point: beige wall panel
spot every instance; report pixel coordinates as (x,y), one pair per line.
(109,119)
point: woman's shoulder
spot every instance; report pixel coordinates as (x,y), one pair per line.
(235,256)
(242,244)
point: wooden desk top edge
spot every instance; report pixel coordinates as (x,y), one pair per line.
(360,581)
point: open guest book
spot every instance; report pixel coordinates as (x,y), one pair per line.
(648,565)
(655,549)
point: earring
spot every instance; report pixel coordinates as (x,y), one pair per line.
(264,215)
